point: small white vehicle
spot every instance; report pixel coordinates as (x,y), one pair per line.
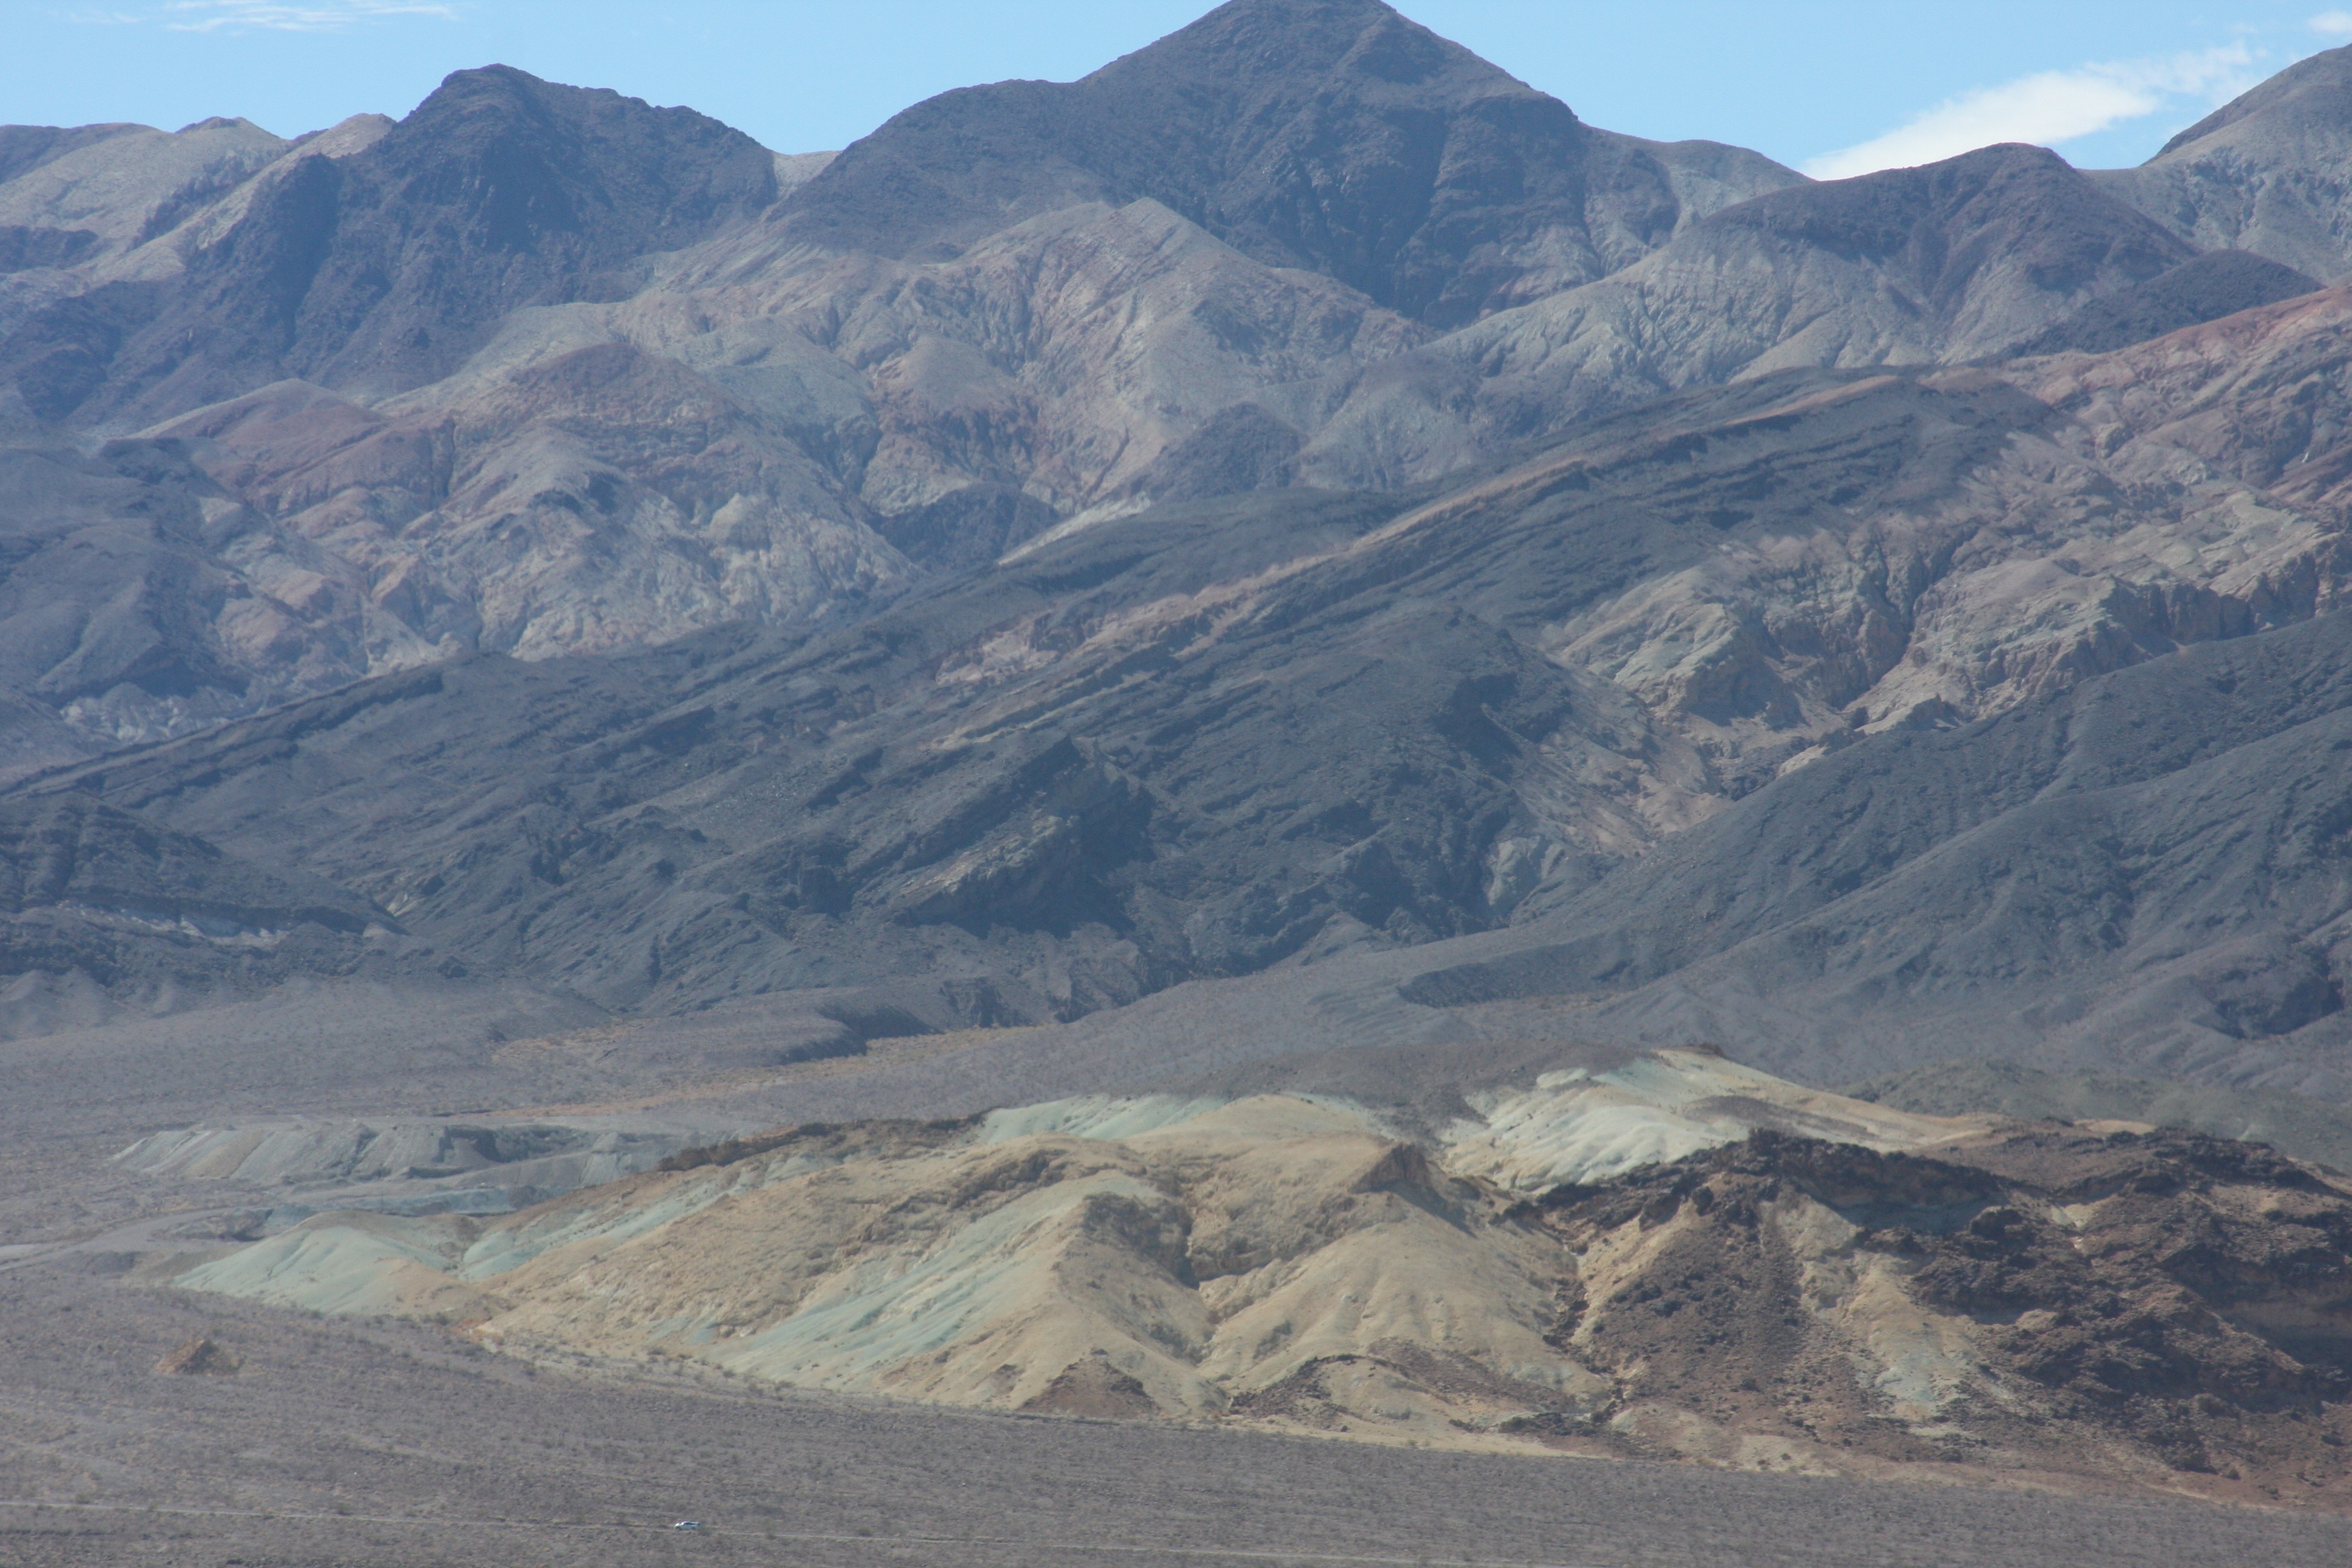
(688,1524)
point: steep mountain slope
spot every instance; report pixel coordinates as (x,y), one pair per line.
(1209,739)
(1141,753)
(2145,870)
(1044,717)
(1956,260)
(541,369)
(1333,135)
(2216,284)
(499,190)
(2264,173)
(381,269)
(97,909)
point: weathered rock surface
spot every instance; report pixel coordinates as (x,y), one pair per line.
(1956,260)
(2306,1129)
(2264,173)
(199,1357)
(1043,719)
(1332,135)
(2145,872)
(382,266)
(1209,739)
(540,369)
(2206,288)
(99,909)
(1664,1254)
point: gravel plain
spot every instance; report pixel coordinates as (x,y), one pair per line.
(354,1443)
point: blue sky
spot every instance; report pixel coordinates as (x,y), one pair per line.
(1832,86)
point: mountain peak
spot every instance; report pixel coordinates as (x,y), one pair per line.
(2269,172)
(1941,220)
(2318,89)
(383,268)
(1332,135)
(1247,45)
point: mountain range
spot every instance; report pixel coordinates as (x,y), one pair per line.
(1276,739)
(1295,502)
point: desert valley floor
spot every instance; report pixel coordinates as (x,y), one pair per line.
(371,1443)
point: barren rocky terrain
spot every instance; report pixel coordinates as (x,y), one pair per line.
(1198,761)
(384,1444)
(282,1436)
(1635,1254)
(1023,563)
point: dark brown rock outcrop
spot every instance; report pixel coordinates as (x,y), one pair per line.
(2137,1297)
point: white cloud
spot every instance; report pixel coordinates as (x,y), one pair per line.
(2046,108)
(278,16)
(2335,24)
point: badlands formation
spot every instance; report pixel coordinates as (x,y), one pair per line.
(1663,1254)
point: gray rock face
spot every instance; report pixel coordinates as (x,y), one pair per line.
(544,371)
(2147,869)
(2216,284)
(2265,173)
(99,909)
(1957,260)
(1210,739)
(1333,135)
(1292,497)
(384,268)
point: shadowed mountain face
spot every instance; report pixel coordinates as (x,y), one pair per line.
(2216,284)
(2148,869)
(1939,228)
(1332,135)
(98,907)
(1955,261)
(1274,731)
(382,270)
(1290,497)
(541,370)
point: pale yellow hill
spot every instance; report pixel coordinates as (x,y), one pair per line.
(1676,1255)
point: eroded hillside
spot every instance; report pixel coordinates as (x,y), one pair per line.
(1660,1254)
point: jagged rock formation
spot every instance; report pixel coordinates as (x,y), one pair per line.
(1655,1254)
